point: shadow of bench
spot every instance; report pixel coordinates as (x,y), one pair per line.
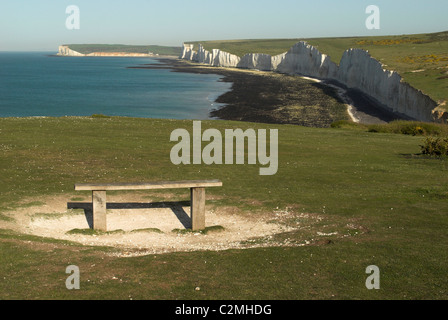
(176,207)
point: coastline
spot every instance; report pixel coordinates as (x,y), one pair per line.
(99,50)
(117,55)
(266,97)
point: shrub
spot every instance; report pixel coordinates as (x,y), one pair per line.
(377,128)
(347,124)
(418,128)
(100,116)
(435,146)
(413,128)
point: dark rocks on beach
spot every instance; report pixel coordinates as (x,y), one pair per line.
(268,97)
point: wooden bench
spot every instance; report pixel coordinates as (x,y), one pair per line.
(197,191)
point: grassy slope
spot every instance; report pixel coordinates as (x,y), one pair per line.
(407,53)
(89,48)
(349,177)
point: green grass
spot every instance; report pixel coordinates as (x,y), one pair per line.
(404,54)
(5,218)
(206,231)
(91,232)
(77,199)
(31,204)
(376,187)
(147,230)
(58,215)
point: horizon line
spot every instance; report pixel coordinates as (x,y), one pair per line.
(229,40)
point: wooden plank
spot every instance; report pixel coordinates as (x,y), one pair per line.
(99,210)
(149,185)
(197,209)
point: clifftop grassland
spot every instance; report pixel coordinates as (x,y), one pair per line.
(360,198)
(421,59)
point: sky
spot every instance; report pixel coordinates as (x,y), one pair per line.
(40,25)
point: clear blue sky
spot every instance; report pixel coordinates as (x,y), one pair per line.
(40,24)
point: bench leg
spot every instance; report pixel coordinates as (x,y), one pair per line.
(99,210)
(198,208)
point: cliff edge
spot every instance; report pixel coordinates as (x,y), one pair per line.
(356,70)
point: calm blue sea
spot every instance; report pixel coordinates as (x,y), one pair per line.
(36,84)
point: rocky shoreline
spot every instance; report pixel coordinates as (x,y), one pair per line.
(269,97)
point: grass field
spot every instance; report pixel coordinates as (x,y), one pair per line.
(380,203)
(421,59)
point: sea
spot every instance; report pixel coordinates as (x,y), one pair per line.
(38,84)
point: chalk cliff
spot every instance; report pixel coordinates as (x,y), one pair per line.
(66,51)
(188,53)
(216,58)
(360,71)
(306,60)
(357,70)
(257,61)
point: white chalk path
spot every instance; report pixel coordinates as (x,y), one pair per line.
(342,93)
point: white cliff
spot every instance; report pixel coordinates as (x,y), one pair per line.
(66,51)
(225,59)
(306,60)
(360,71)
(357,70)
(216,58)
(256,61)
(187,52)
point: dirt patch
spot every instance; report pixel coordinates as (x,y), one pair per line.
(139,226)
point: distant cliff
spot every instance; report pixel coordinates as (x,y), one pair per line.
(114,50)
(66,51)
(356,70)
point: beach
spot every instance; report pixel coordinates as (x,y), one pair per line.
(268,97)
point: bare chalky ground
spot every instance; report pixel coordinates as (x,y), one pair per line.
(134,223)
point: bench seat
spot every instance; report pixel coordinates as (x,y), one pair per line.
(149,185)
(197,194)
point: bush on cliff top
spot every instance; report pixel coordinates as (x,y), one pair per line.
(435,146)
(414,128)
